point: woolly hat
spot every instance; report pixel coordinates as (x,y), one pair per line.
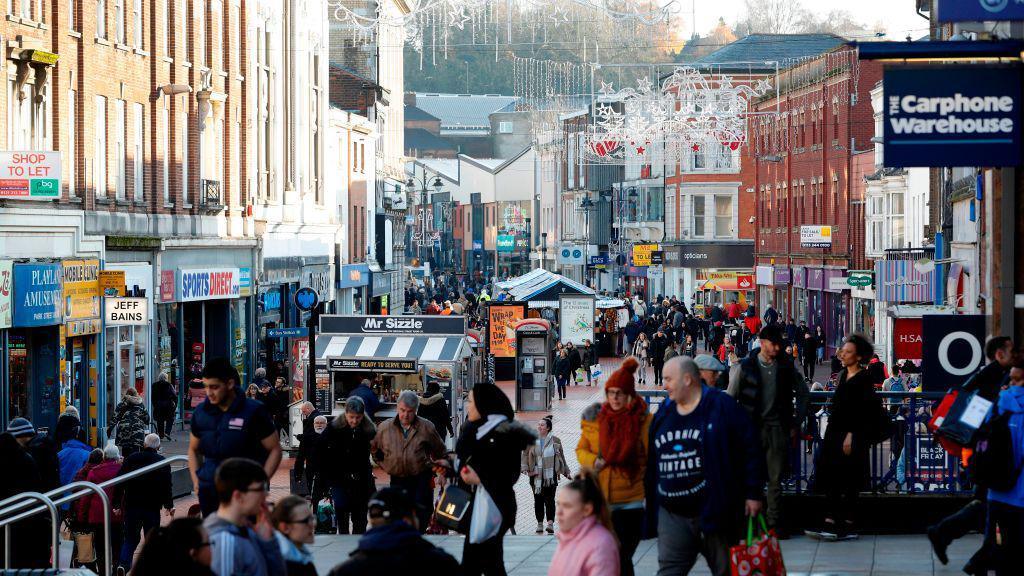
(623,377)
(20,427)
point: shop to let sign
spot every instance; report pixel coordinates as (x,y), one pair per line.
(642,254)
(372,364)
(815,236)
(30,175)
(126,312)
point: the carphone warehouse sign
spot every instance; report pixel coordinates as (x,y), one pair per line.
(952,116)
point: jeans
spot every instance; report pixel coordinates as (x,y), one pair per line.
(487,557)
(1010,520)
(680,540)
(136,519)
(422,492)
(350,502)
(207,498)
(658,366)
(562,381)
(775,442)
(544,501)
(628,525)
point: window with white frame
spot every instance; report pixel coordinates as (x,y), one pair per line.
(216,32)
(119,22)
(199,20)
(73,15)
(186,38)
(101,19)
(580,164)
(723,217)
(699,215)
(896,218)
(138,165)
(72,148)
(119,149)
(504,127)
(165,43)
(28,117)
(165,147)
(571,162)
(100,147)
(26,9)
(184,127)
(670,213)
(316,132)
(137,25)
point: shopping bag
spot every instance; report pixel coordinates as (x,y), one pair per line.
(297,481)
(485,520)
(760,556)
(325,518)
(595,371)
(968,412)
(938,417)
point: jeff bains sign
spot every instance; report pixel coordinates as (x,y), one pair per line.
(952,116)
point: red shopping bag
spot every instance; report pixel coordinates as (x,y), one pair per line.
(757,557)
(938,417)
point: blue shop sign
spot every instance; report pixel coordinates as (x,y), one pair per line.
(353,276)
(37,294)
(270,300)
(979,10)
(966,115)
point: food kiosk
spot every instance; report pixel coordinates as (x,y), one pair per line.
(534,368)
(395,353)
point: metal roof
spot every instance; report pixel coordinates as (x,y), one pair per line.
(464,111)
(539,281)
(420,139)
(763,48)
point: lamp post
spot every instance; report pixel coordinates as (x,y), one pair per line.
(543,248)
(526,248)
(586,206)
(424,234)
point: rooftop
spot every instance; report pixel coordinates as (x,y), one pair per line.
(764,48)
(464,111)
(420,139)
(417,113)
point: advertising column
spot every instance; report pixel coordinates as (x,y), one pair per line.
(34,343)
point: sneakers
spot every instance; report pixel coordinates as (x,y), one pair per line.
(540,528)
(938,546)
(550,527)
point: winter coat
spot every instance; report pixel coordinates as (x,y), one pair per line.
(239,551)
(435,408)
(534,455)
(587,356)
(496,458)
(94,508)
(589,549)
(165,400)
(80,507)
(369,398)
(657,349)
(396,548)
(575,361)
(562,368)
(131,421)
(854,409)
(346,458)
(745,387)
(72,457)
(640,348)
(43,451)
(404,456)
(1011,401)
(68,427)
(306,441)
(149,491)
(733,463)
(616,484)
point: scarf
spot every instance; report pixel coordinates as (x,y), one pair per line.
(619,435)
(545,461)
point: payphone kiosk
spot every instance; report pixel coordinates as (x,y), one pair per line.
(534,369)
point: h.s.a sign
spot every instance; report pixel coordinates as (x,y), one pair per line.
(967,115)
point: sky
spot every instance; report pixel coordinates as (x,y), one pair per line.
(897,15)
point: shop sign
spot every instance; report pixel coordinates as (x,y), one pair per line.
(81,289)
(380,284)
(600,261)
(208,284)
(281,269)
(354,276)
(82,327)
(37,294)
(577,313)
(354,324)
(953,115)
(953,348)
(714,255)
(907,342)
(405,365)
(506,243)
(6,291)
(782,275)
(112,282)
(799,277)
(837,284)
(167,285)
(30,175)
(501,332)
(126,311)
(306,299)
(815,278)
(270,301)
(815,236)
(642,254)
(859,280)
(321,279)
(763,275)
(978,10)
(245,281)
(655,271)
(901,281)
(571,255)
(657,258)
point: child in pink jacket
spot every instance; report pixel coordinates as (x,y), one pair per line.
(586,545)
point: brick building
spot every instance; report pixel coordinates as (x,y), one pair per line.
(809,227)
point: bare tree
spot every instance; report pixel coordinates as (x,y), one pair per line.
(773,17)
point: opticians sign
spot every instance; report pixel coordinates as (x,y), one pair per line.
(979,10)
(967,115)
(30,175)
(208,284)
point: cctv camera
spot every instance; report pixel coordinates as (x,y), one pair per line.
(752,219)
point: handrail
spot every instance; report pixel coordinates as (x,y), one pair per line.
(19,503)
(47,504)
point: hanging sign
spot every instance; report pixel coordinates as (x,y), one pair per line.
(81,289)
(953,115)
(953,348)
(506,243)
(907,340)
(306,299)
(126,311)
(571,255)
(30,175)
(577,318)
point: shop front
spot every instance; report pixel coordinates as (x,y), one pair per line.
(33,345)
(720,287)
(837,309)
(782,277)
(798,310)
(395,353)
(815,296)
(82,325)
(279,281)
(353,280)
(765,288)
(901,291)
(381,287)
(694,263)
(205,312)
(128,348)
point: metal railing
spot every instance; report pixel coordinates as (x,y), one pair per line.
(911,461)
(18,507)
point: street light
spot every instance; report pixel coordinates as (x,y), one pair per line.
(529,235)
(586,206)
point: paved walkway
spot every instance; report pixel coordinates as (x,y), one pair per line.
(871,555)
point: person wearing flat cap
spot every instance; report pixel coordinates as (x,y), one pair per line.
(712,371)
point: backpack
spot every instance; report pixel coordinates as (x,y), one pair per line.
(994,463)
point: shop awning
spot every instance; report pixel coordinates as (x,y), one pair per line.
(540,284)
(423,348)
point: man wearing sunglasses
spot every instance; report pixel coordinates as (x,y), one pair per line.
(239,544)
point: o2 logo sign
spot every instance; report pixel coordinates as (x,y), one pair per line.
(953,349)
(994,6)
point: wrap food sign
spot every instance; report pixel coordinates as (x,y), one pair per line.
(501,332)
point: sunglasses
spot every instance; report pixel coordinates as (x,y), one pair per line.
(307,520)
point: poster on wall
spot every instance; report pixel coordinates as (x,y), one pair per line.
(501,334)
(6,289)
(577,318)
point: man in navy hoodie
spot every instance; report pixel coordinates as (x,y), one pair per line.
(704,472)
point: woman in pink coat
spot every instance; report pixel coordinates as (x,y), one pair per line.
(586,544)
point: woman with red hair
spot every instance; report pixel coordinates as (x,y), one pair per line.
(613,444)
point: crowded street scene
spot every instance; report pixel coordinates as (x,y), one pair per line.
(488,288)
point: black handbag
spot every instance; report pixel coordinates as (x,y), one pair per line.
(452,508)
(297,482)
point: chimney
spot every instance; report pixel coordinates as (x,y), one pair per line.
(410,98)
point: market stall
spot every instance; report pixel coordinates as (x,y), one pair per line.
(395,353)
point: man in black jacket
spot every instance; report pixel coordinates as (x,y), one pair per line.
(394,545)
(769,387)
(309,414)
(142,497)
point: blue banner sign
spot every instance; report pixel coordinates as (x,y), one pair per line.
(965,115)
(37,294)
(300,332)
(979,10)
(506,243)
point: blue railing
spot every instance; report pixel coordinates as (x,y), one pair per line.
(912,461)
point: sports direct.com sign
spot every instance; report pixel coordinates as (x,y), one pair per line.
(952,116)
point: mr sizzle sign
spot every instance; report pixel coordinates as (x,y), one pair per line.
(952,116)
(979,10)
(208,284)
(953,348)
(448,325)
(407,365)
